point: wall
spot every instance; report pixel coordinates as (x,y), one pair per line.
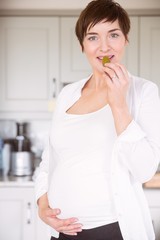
(73,4)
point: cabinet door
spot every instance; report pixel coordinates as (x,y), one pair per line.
(155,213)
(130,59)
(150,48)
(29,57)
(74,65)
(42,230)
(153,198)
(17,214)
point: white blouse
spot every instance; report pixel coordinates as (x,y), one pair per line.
(133,159)
(81,184)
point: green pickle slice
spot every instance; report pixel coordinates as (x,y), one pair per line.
(105,60)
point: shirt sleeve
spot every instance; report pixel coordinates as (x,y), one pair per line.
(42,176)
(41,181)
(138,147)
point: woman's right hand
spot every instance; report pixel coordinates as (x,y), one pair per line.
(50,217)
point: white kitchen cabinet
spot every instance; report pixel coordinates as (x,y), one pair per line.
(153,197)
(74,65)
(17,219)
(130,59)
(150,48)
(29,64)
(18,215)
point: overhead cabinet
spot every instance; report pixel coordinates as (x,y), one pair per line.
(29,63)
(150,48)
(74,65)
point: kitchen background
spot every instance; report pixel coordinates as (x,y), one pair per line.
(39,54)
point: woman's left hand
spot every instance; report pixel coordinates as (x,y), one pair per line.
(117,80)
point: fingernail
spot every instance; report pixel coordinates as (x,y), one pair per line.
(79,230)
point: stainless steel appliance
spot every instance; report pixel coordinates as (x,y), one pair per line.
(22,160)
(21,163)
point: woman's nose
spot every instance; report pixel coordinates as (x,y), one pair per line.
(104,46)
(103,50)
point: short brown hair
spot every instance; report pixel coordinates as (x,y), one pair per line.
(97,11)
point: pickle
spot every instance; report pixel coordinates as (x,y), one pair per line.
(105,60)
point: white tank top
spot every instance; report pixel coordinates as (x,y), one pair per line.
(80,185)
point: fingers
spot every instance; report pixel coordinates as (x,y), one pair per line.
(52,212)
(73,232)
(71,229)
(66,222)
(117,73)
(68,226)
(117,79)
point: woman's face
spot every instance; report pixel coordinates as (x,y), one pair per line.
(104,39)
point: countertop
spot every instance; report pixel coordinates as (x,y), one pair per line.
(19,181)
(28,181)
(14,181)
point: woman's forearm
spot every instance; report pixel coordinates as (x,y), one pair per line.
(43,201)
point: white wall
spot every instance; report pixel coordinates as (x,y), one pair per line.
(73,4)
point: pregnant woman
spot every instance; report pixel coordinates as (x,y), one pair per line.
(104,140)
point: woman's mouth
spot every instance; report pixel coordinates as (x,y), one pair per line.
(110,57)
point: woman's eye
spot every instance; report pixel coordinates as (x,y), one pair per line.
(114,35)
(92,38)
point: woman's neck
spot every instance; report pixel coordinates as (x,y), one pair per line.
(96,82)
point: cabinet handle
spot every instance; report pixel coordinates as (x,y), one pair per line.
(54,87)
(28,213)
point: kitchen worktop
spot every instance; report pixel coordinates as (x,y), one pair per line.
(20,181)
(27,181)
(14,181)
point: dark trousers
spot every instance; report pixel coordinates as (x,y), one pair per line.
(107,232)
